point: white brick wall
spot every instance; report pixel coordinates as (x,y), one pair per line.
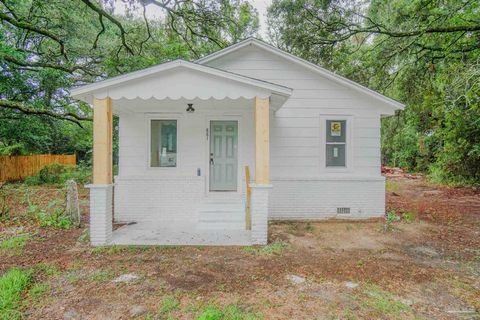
(259,213)
(320,198)
(100,214)
(166,198)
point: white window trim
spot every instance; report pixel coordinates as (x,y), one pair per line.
(348,143)
(148,125)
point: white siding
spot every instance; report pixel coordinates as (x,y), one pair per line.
(296,127)
(303,188)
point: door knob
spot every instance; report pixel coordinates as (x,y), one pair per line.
(211,159)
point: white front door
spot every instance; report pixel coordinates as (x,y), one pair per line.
(223,155)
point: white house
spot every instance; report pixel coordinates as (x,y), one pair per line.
(310,138)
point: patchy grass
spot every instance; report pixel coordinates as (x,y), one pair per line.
(377,303)
(12,285)
(309,227)
(14,245)
(168,304)
(274,248)
(102,275)
(230,312)
(38,291)
(408,216)
(391,186)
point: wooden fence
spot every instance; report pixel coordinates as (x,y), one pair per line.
(14,168)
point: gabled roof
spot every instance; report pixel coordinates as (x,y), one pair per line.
(313,67)
(86,92)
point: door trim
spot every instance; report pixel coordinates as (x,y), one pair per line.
(240,160)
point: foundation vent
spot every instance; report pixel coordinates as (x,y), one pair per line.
(343,210)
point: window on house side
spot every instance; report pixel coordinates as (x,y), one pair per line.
(336,143)
(163,139)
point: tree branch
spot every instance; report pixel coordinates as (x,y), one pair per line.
(21,107)
(119,25)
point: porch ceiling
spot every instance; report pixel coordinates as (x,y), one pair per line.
(181,80)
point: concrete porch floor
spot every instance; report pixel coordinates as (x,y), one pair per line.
(152,233)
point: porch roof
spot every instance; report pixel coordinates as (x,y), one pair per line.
(181,79)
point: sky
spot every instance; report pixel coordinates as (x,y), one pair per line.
(155,12)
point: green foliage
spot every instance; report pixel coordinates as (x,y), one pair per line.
(168,304)
(52,216)
(38,68)
(12,285)
(58,174)
(14,245)
(390,218)
(230,312)
(274,248)
(384,45)
(378,302)
(15,149)
(408,216)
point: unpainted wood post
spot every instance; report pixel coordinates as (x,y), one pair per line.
(262,140)
(102,141)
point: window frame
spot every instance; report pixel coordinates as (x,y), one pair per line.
(348,143)
(148,126)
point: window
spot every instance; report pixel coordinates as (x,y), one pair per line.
(336,143)
(163,151)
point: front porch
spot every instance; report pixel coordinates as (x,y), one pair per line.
(164,190)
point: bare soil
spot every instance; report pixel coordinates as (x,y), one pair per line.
(426,267)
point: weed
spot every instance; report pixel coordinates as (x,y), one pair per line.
(12,285)
(38,291)
(230,312)
(53,217)
(390,218)
(49,270)
(73,278)
(14,245)
(84,237)
(168,304)
(107,250)
(391,186)
(275,248)
(102,275)
(408,216)
(380,302)
(309,226)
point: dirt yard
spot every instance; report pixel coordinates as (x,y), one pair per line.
(424,266)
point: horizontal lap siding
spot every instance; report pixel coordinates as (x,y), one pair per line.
(300,189)
(295,128)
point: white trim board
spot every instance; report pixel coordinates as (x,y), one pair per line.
(90,89)
(313,67)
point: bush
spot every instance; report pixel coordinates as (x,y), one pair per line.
(58,174)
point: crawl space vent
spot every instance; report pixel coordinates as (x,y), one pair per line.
(343,210)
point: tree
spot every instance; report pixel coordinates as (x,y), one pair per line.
(48,46)
(423,52)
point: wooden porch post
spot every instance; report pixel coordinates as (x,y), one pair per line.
(101,191)
(102,141)
(262,140)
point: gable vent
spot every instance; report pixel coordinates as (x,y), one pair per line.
(343,210)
